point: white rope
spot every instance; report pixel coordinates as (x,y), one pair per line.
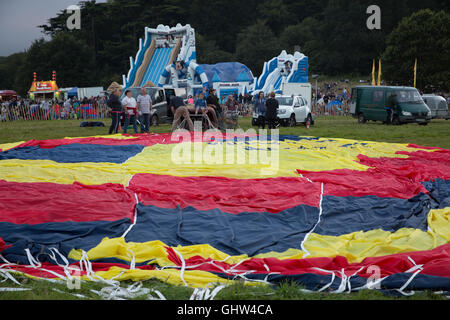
(133,262)
(14,289)
(134,290)
(318,220)
(135,217)
(407,283)
(183,266)
(348,279)
(343,284)
(197,294)
(333,276)
(66,262)
(415,267)
(33,262)
(6,275)
(159,294)
(215,291)
(206,293)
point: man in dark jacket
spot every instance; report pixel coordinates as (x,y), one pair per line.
(271,110)
(213,100)
(390,106)
(116,109)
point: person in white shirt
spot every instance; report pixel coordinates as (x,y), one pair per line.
(144,103)
(130,107)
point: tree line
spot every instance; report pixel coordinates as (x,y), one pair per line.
(333,33)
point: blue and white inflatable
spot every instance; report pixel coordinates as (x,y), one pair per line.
(179,75)
(286,68)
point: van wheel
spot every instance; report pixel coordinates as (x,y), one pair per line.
(361,118)
(292,121)
(155,120)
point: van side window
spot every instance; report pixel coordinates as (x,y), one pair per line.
(377,96)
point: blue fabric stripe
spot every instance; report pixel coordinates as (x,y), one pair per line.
(73,153)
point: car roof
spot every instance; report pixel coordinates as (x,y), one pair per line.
(384,87)
(287,96)
(433,96)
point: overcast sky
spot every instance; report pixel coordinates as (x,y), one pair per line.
(19,20)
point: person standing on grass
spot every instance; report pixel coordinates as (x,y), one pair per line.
(116,109)
(390,106)
(260,110)
(130,106)
(144,104)
(271,110)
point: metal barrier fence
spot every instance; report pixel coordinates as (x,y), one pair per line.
(54,112)
(334,110)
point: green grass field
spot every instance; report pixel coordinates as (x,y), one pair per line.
(436,134)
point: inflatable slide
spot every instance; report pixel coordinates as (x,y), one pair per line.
(286,68)
(160,48)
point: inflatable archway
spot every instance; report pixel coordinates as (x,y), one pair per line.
(180,71)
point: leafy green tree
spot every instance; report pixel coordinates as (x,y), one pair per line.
(425,36)
(9,66)
(276,14)
(255,45)
(208,51)
(332,33)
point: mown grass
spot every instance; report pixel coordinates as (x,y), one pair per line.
(436,134)
(45,290)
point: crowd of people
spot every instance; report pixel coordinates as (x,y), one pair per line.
(53,109)
(331,93)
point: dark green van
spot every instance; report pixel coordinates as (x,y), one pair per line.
(370,102)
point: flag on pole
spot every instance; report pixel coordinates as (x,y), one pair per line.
(373,72)
(379,72)
(415,72)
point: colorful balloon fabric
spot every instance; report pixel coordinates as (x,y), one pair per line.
(331,214)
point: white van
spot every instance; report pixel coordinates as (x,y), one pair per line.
(438,106)
(291,110)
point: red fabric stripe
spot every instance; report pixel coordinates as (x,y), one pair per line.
(229,195)
(435,262)
(386,177)
(347,182)
(3,246)
(141,139)
(40,202)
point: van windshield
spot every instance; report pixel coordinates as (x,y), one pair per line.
(285,101)
(411,96)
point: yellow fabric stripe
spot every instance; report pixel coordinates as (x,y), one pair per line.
(313,155)
(89,173)
(7,146)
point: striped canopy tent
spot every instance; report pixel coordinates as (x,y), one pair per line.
(44,89)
